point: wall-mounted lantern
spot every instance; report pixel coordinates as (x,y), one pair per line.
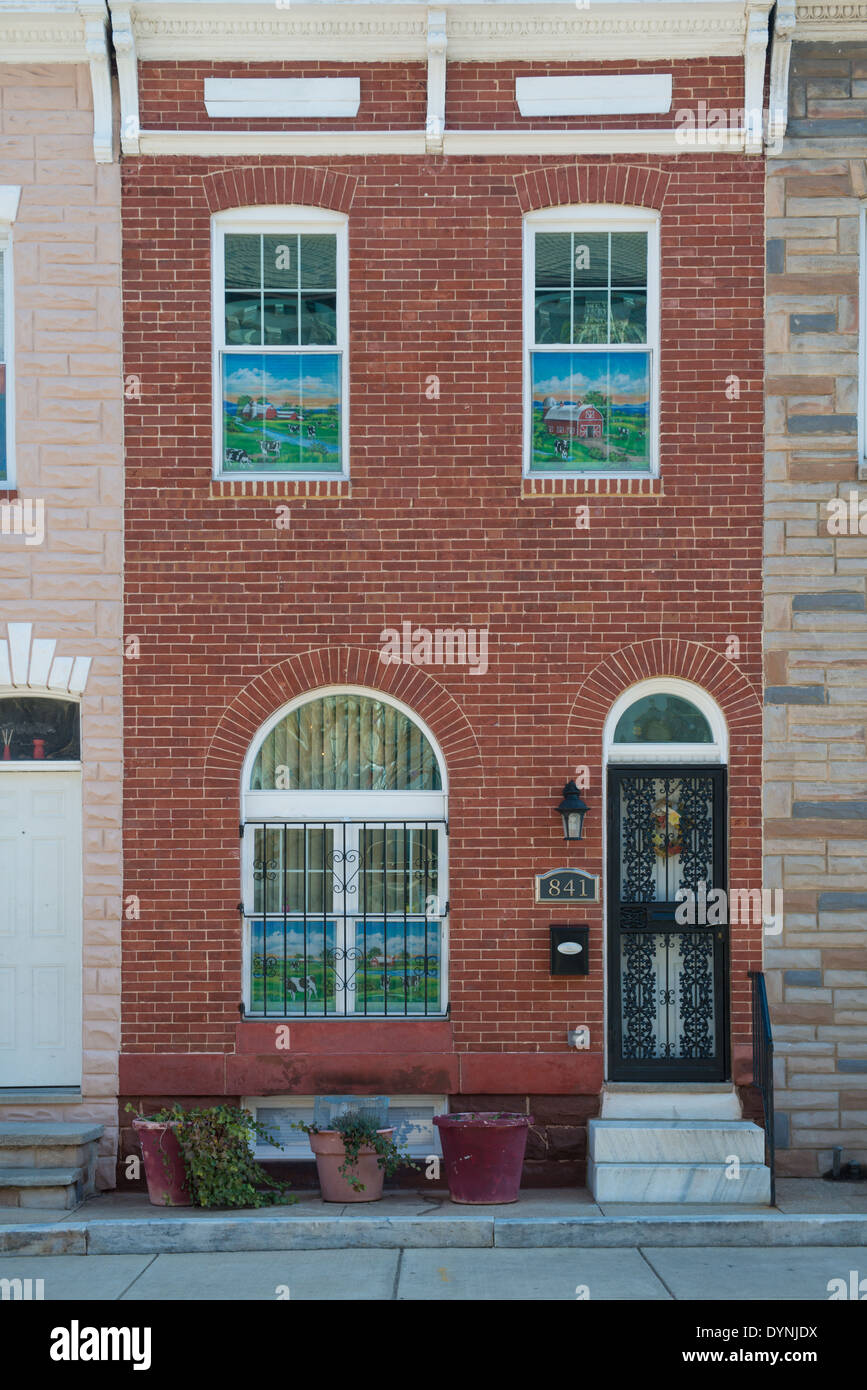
(573,811)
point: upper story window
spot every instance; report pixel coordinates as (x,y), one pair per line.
(5,366)
(280,316)
(591,336)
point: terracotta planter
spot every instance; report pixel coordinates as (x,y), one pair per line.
(483,1155)
(164,1165)
(330,1154)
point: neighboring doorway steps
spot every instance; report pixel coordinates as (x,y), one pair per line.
(667,1143)
(46,1164)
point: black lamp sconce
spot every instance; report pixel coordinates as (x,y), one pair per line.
(573,810)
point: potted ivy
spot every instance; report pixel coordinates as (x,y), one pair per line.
(483,1153)
(205,1158)
(354,1157)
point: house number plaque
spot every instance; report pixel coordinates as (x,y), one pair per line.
(567,886)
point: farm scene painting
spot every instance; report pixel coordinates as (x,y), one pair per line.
(590,412)
(344,970)
(281,413)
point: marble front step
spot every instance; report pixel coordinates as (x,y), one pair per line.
(660,1101)
(47,1163)
(678,1182)
(58,1189)
(675,1141)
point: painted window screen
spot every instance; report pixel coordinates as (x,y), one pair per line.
(345,742)
(590,353)
(663,719)
(281,354)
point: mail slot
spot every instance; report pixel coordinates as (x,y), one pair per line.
(570,950)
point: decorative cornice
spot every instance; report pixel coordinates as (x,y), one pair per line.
(829,23)
(475,31)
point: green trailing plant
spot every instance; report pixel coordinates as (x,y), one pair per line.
(359,1131)
(218,1157)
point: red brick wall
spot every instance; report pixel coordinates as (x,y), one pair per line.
(436,531)
(394,95)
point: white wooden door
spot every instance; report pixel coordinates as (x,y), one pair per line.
(40,928)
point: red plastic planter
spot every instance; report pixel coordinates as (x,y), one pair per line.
(484,1155)
(164,1165)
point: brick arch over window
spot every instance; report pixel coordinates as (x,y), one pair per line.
(258,185)
(342,666)
(633,185)
(691,661)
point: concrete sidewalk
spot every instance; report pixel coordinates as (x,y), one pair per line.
(809,1212)
(651,1273)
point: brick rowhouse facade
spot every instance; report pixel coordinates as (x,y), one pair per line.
(815,768)
(438,528)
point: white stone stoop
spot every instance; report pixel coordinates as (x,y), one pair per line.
(676,1144)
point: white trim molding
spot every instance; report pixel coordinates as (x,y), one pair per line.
(464,142)
(95,18)
(785,20)
(10,196)
(436,81)
(123,39)
(30,663)
(613,95)
(290,98)
(755,61)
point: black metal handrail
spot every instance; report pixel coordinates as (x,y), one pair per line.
(763,1065)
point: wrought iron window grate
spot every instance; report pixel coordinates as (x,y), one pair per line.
(345,919)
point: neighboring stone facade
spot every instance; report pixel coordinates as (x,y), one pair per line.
(69,435)
(816,617)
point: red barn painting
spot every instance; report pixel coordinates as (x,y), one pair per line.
(573,419)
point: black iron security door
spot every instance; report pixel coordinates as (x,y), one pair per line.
(667,952)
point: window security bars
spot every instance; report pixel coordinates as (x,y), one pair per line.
(345,919)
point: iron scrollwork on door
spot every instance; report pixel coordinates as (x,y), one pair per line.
(668,980)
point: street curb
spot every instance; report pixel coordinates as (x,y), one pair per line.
(141,1236)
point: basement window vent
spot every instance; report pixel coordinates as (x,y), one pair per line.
(649,94)
(411,1117)
(289,98)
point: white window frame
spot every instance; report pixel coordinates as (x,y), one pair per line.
(712,753)
(333,809)
(8,483)
(595,217)
(862,341)
(290,220)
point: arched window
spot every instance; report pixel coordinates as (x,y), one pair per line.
(666,720)
(345,896)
